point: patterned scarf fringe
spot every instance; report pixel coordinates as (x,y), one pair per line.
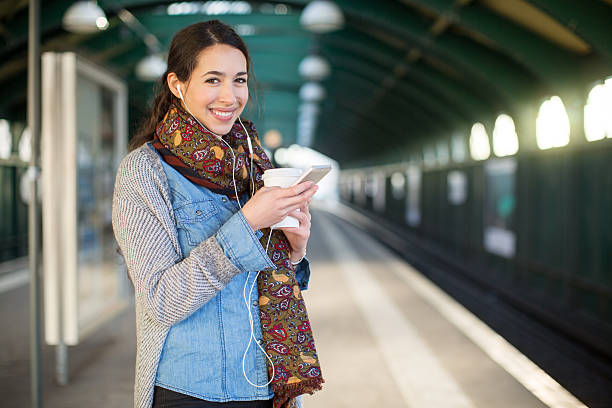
(284,397)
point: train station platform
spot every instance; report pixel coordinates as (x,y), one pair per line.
(386,336)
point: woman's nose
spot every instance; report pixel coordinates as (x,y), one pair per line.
(226,94)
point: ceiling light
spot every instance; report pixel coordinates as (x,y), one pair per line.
(312,92)
(314,68)
(322,16)
(84,17)
(151,68)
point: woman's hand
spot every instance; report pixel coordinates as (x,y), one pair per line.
(298,237)
(270,205)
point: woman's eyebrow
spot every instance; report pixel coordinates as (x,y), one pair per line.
(219,73)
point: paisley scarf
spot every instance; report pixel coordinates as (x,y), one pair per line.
(205,160)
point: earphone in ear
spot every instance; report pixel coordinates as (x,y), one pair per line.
(178,87)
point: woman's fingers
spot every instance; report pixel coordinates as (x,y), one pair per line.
(300,199)
(302,217)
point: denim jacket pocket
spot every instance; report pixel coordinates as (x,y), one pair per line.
(197,221)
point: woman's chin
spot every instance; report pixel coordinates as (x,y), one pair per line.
(221,130)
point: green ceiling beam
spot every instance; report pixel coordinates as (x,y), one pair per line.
(397,111)
(439,86)
(359,139)
(591,20)
(375,52)
(16,33)
(267,24)
(398,116)
(366,124)
(403,90)
(377,124)
(553,66)
(508,80)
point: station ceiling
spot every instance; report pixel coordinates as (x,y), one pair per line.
(403,71)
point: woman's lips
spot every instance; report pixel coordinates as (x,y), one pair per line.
(223,115)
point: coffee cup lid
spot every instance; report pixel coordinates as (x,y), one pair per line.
(282,172)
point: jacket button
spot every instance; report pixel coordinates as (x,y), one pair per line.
(224,199)
(255,303)
(198,212)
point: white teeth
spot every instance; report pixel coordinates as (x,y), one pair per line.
(223,114)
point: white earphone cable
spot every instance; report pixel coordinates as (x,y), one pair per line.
(247,304)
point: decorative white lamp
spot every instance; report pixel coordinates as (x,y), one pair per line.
(84,17)
(151,68)
(322,16)
(314,68)
(312,92)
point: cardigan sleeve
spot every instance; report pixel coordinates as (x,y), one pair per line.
(167,287)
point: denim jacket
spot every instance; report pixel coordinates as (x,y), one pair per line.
(203,354)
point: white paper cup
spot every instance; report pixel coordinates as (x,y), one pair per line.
(283,177)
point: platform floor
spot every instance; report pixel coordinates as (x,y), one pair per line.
(386,337)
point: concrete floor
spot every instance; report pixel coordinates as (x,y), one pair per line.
(380,342)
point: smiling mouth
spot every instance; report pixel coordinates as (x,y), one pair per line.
(223,115)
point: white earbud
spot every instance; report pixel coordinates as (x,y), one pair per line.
(178,87)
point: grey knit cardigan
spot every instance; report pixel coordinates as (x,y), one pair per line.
(167,287)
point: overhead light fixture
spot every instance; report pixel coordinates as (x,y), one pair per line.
(312,92)
(151,68)
(322,16)
(314,68)
(84,17)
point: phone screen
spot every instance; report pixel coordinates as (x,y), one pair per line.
(314,174)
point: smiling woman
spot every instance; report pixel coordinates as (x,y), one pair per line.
(217,92)
(197,65)
(192,218)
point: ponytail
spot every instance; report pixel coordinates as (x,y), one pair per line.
(161,104)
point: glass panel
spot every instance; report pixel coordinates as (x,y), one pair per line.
(98,273)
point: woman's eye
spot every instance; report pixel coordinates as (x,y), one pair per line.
(241,80)
(212,81)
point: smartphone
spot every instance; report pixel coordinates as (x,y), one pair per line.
(314,174)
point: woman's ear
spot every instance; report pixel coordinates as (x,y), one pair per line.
(173,84)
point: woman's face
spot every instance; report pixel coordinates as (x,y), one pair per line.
(217,91)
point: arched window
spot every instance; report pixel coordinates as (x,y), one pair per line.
(552,124)
(505,139)
(598,112)
(480,148)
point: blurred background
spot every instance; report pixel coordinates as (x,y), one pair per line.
(470,139)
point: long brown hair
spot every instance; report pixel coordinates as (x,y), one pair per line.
(185,48)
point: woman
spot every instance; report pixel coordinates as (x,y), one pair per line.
(192,219)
